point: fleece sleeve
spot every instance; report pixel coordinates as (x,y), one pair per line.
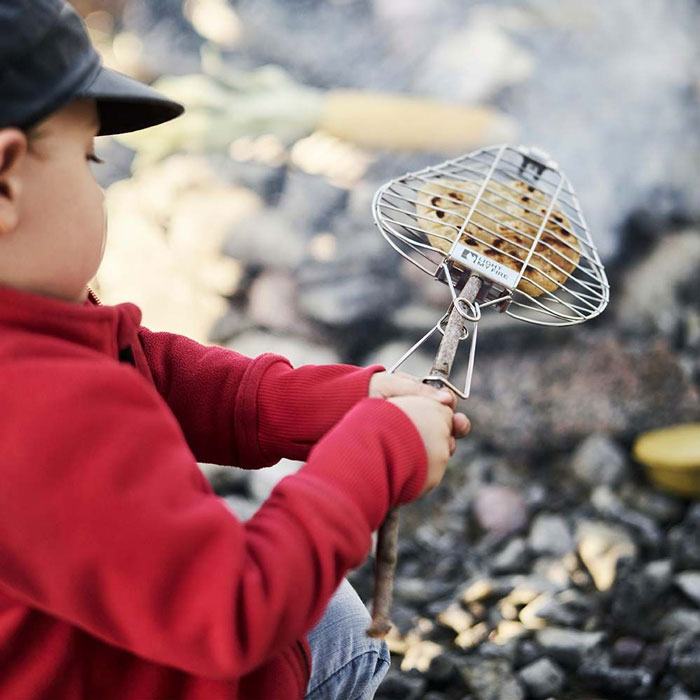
(235,410)
(107,523)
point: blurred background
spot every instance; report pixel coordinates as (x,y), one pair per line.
(561,556)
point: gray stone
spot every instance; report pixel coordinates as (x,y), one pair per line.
(359,205)
(621,682)
(266,180)
(626,651)
(550,534)
(647,301)
(689,583)
(226,480)
(267,239)
(568,646)
(680,620)
(242,508)
(399,686)
(347,291)
(386,355)
(684,540)
(660,506)
(263,481)
(684,659)
(499,510)
(609,505)
(228,326)
(513,558)
(491,679)
(598,460)
(271,302)
(587,382)
(297,350)
(677,693)
(308,201)
(542,678)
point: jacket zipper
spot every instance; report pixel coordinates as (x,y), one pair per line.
(92,291)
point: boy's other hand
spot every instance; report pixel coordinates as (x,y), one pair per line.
(386,385)
(433,421)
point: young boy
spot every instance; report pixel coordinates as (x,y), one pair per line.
(122,575)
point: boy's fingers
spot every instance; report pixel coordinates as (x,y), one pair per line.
(444,396)
(461,425)
(453,445)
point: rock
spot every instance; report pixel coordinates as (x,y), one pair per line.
(689,583)
(415,319)
(226,480)
(683,540)
(513,558)
(491,679)
(526,402)
(443,673)
(598,460)
(632,598)
(499,510)
(267,239)
(566,609)
(401,686)
(242,508)
(527,652)
(677,693)
(550,534)
(542,678)
(387,355)
(347,291)
(609,505)
(308,201)
(263,481)
(359,204)
(271,302)
(233,322)
(264,179)
(684,660)
(626,651)
(662,507)
(600,547)
(647,301)
(621,682)
(680,620)
(568,646)
(296,350)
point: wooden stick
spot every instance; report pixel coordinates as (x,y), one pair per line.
(388,534)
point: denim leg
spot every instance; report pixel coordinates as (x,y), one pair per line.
(346,663)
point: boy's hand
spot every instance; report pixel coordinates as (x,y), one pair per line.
(434,422)
(385,385)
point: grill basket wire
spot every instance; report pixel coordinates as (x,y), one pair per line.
(488,176)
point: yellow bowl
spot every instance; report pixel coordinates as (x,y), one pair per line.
(671,457)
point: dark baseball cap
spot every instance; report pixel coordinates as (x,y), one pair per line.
(47,60)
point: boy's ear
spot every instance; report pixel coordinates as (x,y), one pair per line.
(13,147)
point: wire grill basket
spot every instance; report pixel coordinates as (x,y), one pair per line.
(509,215)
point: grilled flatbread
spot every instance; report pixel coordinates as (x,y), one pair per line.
(502,228)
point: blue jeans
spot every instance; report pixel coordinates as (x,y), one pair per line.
(346,663)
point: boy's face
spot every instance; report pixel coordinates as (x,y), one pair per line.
(52,216)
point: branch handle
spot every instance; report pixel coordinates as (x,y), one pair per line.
(388,534)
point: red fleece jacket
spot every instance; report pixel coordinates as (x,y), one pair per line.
(122,575)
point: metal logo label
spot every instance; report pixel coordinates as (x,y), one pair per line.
(488,268)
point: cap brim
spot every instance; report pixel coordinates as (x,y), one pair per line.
(125,104)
